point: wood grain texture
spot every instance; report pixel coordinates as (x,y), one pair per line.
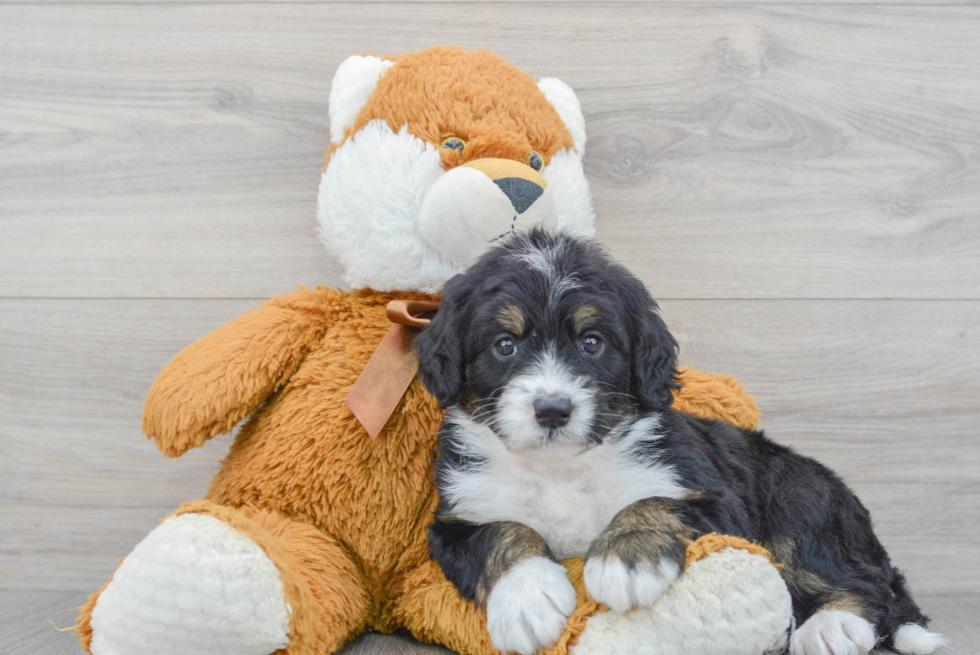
(779,151)
(884,392)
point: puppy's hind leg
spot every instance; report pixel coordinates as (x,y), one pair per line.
(913,639)
(852,622)
(907,625)
(841,626)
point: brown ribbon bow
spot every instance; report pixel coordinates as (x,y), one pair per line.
(392,367)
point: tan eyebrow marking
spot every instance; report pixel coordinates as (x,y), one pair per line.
(585,317)
(511,319)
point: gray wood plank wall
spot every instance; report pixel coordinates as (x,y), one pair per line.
(798,183)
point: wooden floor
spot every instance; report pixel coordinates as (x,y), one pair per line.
(799,183)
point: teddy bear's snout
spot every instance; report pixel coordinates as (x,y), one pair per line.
(520,183)
(477,203)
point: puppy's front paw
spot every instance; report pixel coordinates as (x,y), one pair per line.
(632,566)
(622,587)
(529,605)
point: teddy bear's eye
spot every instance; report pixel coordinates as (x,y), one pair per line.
(454,143)
(535,161)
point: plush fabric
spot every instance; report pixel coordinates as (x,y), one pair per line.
(510,117)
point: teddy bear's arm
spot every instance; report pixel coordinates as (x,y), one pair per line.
(220,379)
(715,396)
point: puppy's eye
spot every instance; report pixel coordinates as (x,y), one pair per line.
(454,143)
(505,347)
(592,344)
(535,161)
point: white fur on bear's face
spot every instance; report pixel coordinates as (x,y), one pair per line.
(398,222)
(369,201)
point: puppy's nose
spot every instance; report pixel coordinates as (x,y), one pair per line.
(552,411)
(521,193)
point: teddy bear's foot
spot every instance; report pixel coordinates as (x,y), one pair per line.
(731,603)
(195,585)
(215,580)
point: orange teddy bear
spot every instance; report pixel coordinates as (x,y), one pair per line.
(312,531)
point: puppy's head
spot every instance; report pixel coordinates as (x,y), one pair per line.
(550,343)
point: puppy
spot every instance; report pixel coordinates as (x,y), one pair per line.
(561,442)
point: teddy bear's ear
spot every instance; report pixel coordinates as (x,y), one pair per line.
(564,100)
(353,83)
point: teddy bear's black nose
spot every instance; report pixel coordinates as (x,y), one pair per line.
(552,411)
(522,193)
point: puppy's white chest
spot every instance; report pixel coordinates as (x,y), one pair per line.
(568,508)
(568,501)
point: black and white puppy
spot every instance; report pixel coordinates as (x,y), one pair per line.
(561,442)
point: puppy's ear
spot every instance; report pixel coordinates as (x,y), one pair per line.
(654,355)
(440,347)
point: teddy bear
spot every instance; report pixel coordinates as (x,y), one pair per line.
(314,528)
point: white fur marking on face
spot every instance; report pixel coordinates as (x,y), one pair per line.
(546,260)
(515,409)
(528,607)
(543,259)
(833,632)
(352,86)
(608,580)
(369,202)
(912,639)
(567,499)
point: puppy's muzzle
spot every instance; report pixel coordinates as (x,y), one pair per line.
(552,411)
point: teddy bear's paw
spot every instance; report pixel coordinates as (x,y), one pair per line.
(622,587)
(732,602)
(833,633)
(194,586)
(780,645)
(529,605)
